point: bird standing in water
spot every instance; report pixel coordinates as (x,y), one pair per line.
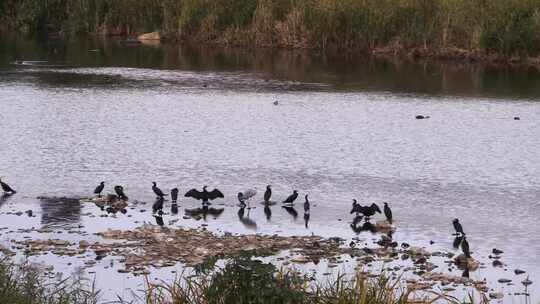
(291,198)
(174,194)
(458,227)
(388,213)
(306,205)
(120,192)
(6,188)
(99,189)
(157,191)
(267,194)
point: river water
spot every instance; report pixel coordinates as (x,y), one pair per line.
(343,128)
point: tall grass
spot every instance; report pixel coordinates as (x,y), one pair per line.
(506,27)
(25,284)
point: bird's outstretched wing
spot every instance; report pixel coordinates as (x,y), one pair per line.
(194,193)
(215,194)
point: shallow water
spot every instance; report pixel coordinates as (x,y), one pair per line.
(343,129)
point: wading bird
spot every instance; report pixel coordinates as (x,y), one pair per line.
(267,194)
(204,196)
(291,198)
(306,205)
(157,191)
(99,189)
(458,227)
(388,213)
(120,192)
(6,188)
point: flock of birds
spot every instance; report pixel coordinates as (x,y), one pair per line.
(205,196)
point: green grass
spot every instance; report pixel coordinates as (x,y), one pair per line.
(506,27)
(26,284)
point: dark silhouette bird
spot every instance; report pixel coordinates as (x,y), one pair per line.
(291,198)
(159,220)
(174,194)
(306,219)
(99,189)
(157,207)
(306,205)
(457,242)
(355,209)
(241,199)
(157,191)
(458,227)
(6,188)
(120,192)
(267,193)
(290,210)
(204,196)
(388,213)
(465,248)
(367,211)
(267,212)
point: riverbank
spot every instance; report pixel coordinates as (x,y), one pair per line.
(503,31)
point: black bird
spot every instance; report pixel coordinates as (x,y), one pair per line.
(174,194)
(241,199)
(355,209)
(157,191)
(267,193)
(159,220)
(458,227)
(388,213)
(290,210)
(306,205)
(99,188)
(6,188)
(158,206)
(367,211)
(291,198)
(465,248)
(267,212)
(457,242)
(120,192)
(204,195)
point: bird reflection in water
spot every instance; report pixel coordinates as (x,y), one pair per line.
(367,226)
(290,210)
(245,220)
(204,211)
(157,207)
(306,219)
(174,208)
(465,273)
(457,242)
(60,211)
(4,197)
(159,220)
(267,211)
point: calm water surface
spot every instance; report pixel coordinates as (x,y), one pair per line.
(344,128)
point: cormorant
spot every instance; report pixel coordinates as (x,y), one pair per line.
(388,213)
(465,248)
(367,211)
(458,227)
(157,191)
(291,198)
(306,205)
(267,194)
(354,207)
(99,188)
(6,188)
(120,192)
(174,194)
(241,199)
(204,195)
(158,206)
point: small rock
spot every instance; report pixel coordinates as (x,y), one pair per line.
(496,295)
(497,251)
(516,118)
(519,271)
(504,280)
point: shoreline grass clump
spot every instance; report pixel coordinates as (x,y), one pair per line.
(28,284)
(501,27)
(247,280)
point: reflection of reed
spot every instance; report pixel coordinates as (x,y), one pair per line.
(59,211)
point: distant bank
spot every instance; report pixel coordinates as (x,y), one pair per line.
(499,31)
